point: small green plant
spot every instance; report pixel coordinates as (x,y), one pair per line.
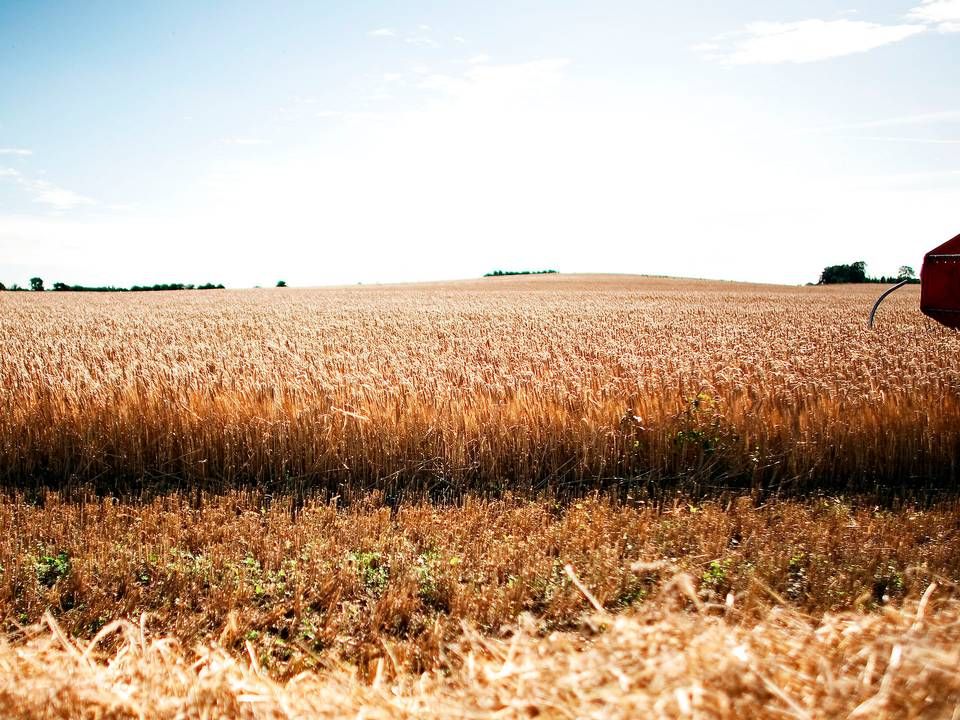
(716,576)
(634,590)
(51,568)
(96,624)
(546,587)
(425,569)
(702,425)
(374,573)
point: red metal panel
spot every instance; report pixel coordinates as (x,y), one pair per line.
(940,283)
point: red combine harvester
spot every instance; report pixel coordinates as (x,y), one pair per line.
(939,285)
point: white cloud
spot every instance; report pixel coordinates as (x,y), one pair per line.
(57,197)
(420,37)
(47,193)
(421,41)
(485,86)
(943,116)
(21,152)
(804,41)
(943,14)
(479,59)
(922,141)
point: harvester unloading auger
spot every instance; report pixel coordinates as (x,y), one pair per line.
(939,285)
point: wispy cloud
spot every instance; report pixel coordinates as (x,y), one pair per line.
(942,14)
(896,139)
(47,193)
(422,40)
(21,152)
(489,86)
(932,118)
(421,36)
(813,40)
(57,197)
(804,41)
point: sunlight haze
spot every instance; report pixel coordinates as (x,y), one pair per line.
(377,142)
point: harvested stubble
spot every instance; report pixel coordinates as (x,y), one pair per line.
(657,663)
(363,584)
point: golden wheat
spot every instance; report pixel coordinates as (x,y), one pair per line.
(512,383)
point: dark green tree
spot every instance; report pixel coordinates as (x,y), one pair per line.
(906,273)
(281,283)
(852,273)
(36,284)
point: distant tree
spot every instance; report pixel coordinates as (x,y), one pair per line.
(503,273)
(281,283)
(906,273)
(61,286)
(852,273)
(2,287)
(36,284)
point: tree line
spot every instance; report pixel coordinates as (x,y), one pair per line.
(37,285)
(857,273)
(502,273)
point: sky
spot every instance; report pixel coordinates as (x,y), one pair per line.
(371,141)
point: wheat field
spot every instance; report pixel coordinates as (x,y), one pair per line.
(560,496)
(558,383)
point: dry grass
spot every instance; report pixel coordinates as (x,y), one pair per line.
(656,663)
(509,384)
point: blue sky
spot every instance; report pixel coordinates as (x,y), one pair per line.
(324,143)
